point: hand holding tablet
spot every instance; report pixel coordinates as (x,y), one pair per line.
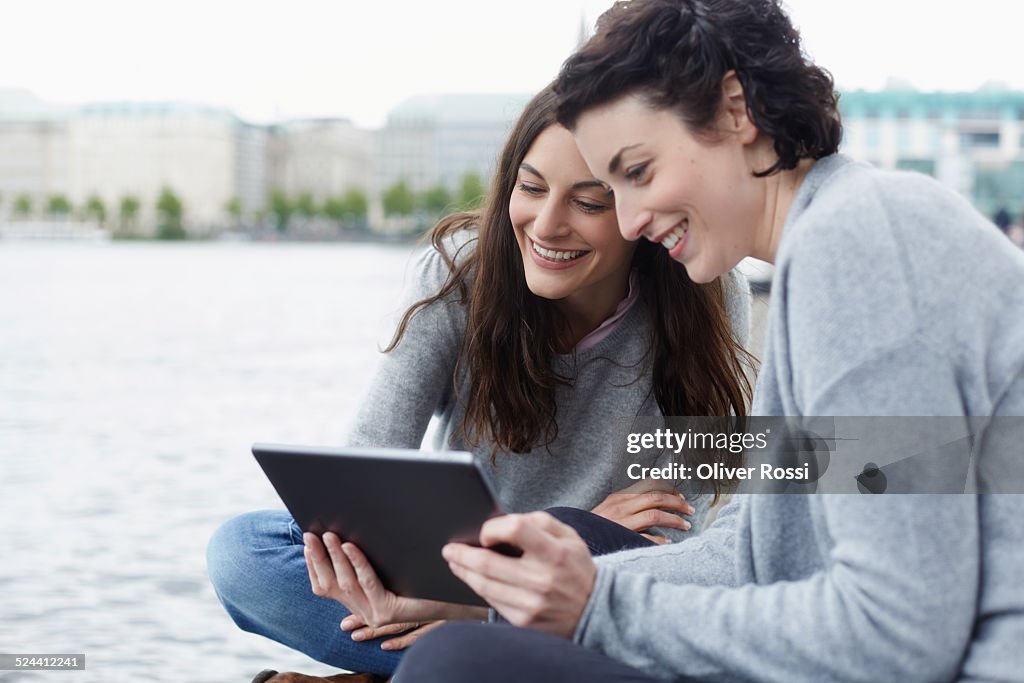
(341,572)
(398,507)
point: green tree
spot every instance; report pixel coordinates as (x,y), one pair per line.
(436,200)
(305,206)
(169,215)
(58,205)
(281,209)
(348,210)
(129,212)
(471,191)
(234,209)
(96,209)
(357,205)
(398,200)
(23,206)
(333,209)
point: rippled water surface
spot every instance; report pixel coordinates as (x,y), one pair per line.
(133,378)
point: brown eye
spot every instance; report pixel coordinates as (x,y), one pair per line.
(635,174)
(590,207)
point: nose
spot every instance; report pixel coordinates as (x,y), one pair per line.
(551,222)
(632,220)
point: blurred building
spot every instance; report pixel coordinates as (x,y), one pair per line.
(34,149)
(205,155)
(322,157)
(138,149)
(972,142)
(434,140)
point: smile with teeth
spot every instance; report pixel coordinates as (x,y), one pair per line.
(556,254)
(670,240)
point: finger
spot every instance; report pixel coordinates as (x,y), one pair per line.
(340,565)
(635,502)
(409,638)
(364,571)
(371,632)
(506,583)
(352,622)
(484,562)
(652,518)
(501,595)
(533,533)
(660,540)
(318,564)
(645,485)
(314,581)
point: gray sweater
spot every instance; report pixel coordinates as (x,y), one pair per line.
(892,296)
(586,461)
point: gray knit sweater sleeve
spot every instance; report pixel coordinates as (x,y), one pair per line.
(414,380)
(737,304)
(708,559)
(843,588)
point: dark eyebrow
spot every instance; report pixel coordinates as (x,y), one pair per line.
(530,169)
(587,184)
(581,185)
(613,165)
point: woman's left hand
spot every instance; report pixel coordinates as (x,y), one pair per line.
(547,588)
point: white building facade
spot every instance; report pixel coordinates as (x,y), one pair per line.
(323,158)
(437,139)
(206,156)
(135,149)
(972,142)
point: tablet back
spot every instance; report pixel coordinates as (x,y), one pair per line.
(400,507)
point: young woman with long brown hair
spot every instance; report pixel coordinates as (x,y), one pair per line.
(528,329)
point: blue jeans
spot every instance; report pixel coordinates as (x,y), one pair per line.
(257,568)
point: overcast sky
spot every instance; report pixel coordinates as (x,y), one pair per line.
(276,59)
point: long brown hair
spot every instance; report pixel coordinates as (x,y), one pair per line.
(512,335)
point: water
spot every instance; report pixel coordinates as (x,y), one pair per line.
(133,378)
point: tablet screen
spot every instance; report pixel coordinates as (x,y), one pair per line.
(399,506)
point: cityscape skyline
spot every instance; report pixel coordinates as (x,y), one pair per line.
(225,170)
(315,59)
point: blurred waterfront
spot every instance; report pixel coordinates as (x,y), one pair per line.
(133,378)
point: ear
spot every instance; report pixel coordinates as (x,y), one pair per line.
(733,115)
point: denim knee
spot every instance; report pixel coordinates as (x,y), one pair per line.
(231,554)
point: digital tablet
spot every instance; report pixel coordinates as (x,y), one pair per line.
(399,506)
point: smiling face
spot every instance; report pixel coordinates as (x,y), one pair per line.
(693,194)
(564,221)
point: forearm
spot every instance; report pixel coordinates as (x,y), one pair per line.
(464,613)
(706,559)
(894,601)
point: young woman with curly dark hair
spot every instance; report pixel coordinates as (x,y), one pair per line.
(719,140)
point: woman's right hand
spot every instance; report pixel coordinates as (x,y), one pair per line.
(645,504)
(341,572)
(405,633)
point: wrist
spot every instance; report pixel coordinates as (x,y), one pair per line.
(467,613)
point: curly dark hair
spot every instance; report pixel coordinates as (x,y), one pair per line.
(675,53)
